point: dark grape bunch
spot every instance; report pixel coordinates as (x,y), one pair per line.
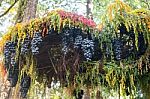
(117,48)
(66,39)
(78,41)
(142,46)
(123,30)
(97,50)
(36,42)
(10,63)
(24,85)
(87,47)
(25,45)
(13,75)
(9,54)
(81,41)
(13,53)
(13,60)
(78,37)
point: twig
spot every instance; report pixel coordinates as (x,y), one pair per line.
(8,9)
(52,63)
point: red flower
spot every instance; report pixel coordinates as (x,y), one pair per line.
(75,17)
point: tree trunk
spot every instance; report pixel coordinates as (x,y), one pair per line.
(89,7)
(20,12)
(26,11)
(30,11)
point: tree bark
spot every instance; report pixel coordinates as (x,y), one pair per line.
(20,11)
(89,7)
(26,10)
(30,11)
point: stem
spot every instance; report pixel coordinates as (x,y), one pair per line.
(8,9)
(52,63)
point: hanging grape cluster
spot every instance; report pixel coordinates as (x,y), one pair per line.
(13,75)
(142,46)
(97,50)
(11,63)
(80,41)
(25,45)
(36,42)
(24,85)
(87,47)
(78,35)
(142,43)
(7,54)
(66,39)
(117,47)
(123,30)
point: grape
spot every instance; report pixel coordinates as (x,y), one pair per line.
(117,47)
(97,51)
(10,62)
(13,61)
(141,44)
(87,47)
(67,38)
(25,45)
(9,54)
(13,75)
(123,29)
(127,51)
(78,37)
(76,32)
(78,41)
(36,42)
(25,84)
(13,80)
(131,34)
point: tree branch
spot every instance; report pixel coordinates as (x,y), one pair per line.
(8,9)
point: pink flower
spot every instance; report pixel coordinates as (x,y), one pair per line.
(75,17)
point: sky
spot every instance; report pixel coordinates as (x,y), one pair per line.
(7,20)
